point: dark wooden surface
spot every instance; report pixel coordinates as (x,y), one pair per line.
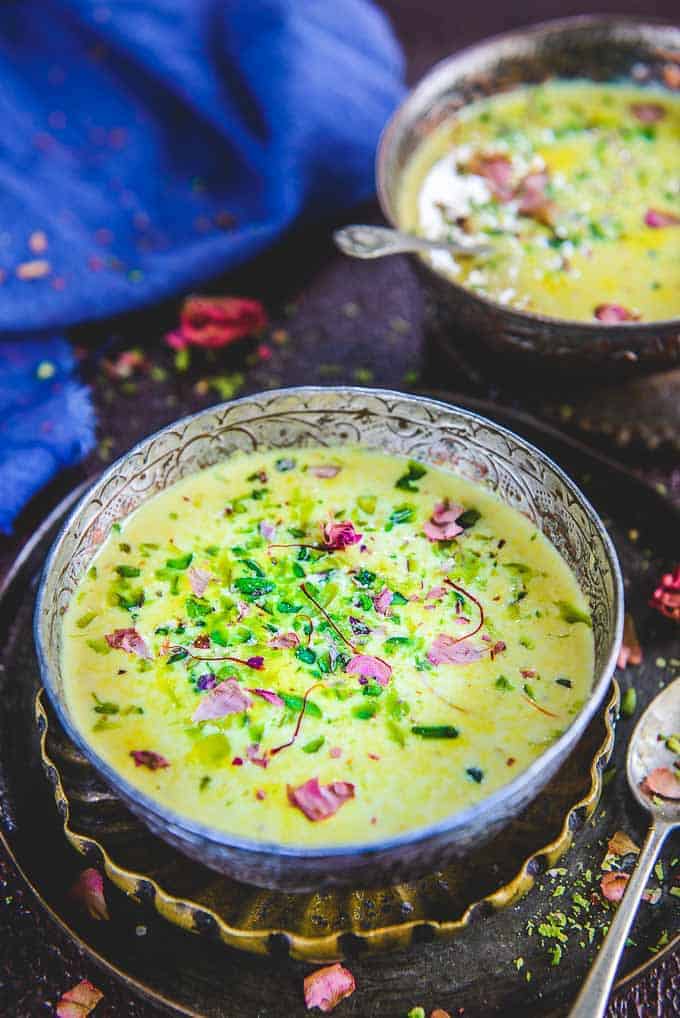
(334,321)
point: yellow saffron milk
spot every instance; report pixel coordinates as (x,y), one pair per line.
(324,646)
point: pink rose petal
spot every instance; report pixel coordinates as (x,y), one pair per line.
(442,524)
(613,885)
(285,641)
(147,758)
(318,802)
(496,170)
(325,470)
(326,987)
(79,1001)
(226,698)
(337,536)
(268,530)
(269,695)
(88,891)
(369,668)
(658,219)
(435,593)
(382,601)
(648,113)
(128,640)
(199,580)
(630,652)
(666,597)
(446,650)
(255,757)
(216,321)
(662,781)
(534,201)
(612,313)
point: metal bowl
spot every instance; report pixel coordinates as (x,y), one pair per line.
(600,48)
(404,425)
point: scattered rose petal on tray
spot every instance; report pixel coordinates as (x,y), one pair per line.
(621,844)
(318,802)
(79,1001)
(325,470)
(130,641)
(631,651)
(88,891)
(326,987)
(648,113)
(613,885)
(216,321)
(666,597)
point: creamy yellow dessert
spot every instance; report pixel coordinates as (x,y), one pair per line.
(575,187)
(324,646)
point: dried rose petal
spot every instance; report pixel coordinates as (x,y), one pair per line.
(442,524)
(496,170)
(269,695)
(318,802)
(611,313)
(268,530)
(613,885)
(216,321)
(147,758)
(369,668)
(125,365)
(445,650)
(435,593)
(79,1001)
(199,580)
(256,662)
(621,844)
(648,113)
(285,641)
(337,536)
(326,987)
(88,891)
(326,470)
(658,219)
(631,651)
(666,597)
(226,698)
(534,201)
(207,681)
(255,757)
(652,895)
(128,640)
(662,781)
(382,601)
(202,642)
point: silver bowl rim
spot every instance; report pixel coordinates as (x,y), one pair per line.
(442,69)
(421,834)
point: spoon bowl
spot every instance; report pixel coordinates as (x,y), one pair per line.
(647,752)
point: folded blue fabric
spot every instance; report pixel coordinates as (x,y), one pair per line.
(46,419)
(155,143)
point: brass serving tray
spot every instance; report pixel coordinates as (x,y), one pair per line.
(323,926)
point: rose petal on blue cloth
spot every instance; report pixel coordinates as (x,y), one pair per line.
(46,423)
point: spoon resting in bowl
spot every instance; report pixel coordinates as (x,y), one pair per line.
(378,241)
(647,755)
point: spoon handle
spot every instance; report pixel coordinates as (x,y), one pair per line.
(360,241)
(592,1000)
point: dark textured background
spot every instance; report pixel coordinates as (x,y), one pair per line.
(333,321)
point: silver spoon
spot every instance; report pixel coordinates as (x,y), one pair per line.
(378,241)
(645,754)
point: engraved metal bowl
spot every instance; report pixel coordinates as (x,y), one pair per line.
(413,426)
(599,48)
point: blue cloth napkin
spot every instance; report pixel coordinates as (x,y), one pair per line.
(150,144)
